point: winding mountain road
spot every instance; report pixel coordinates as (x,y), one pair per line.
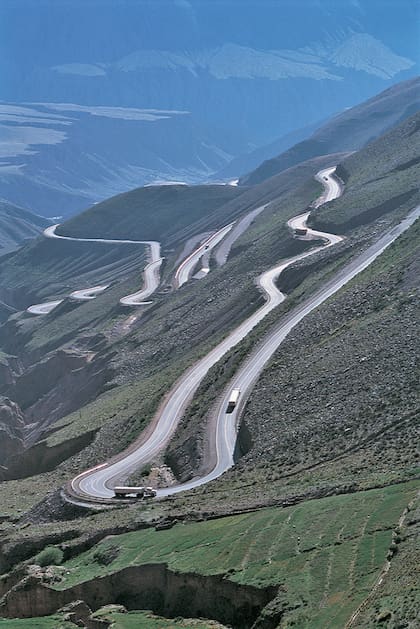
(151,274)
(96,484)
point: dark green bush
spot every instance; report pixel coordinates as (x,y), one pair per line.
(50,556)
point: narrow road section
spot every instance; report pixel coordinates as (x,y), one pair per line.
(187,266)
(151,274)
(151,279)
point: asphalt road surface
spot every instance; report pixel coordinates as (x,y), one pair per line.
(151,278)
(186,268)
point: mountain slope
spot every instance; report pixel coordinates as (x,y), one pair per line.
(380,178)
(251,160)
(150,213)
(18,225)
(348,131)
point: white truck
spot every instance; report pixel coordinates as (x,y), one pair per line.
(138,492)
(233,400)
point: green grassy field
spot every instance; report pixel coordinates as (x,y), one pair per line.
(45,622)
(326,554)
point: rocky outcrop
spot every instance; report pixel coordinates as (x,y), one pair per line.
(43,376)
(152,586)
(80,614)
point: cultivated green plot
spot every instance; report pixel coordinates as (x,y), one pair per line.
(130,620)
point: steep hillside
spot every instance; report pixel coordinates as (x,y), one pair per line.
(253,159)
(348,131)
(174,213)
(158,344)
(18,225)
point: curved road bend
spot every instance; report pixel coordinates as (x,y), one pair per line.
(185,269)
(249,372)
(44,308)
(86,294)
(151,278)
(151,274)
(98,483)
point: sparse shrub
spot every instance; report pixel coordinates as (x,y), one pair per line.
(146,470)
(106,555)
(50,556)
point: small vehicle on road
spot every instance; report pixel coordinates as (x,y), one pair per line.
(137,492)
(233,400)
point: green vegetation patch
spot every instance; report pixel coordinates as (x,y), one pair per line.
(17,496)
(129,620)
(325,553)
(397,602)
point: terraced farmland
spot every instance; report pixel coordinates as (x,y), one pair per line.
(324,554)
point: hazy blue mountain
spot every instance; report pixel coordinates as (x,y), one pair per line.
(221,78)
(17,225)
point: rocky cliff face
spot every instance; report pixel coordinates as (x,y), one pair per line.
(12,424)
(151,586)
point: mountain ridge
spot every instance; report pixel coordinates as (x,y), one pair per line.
(349,130)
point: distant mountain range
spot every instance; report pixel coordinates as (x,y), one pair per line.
(358,51)
(148,91)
